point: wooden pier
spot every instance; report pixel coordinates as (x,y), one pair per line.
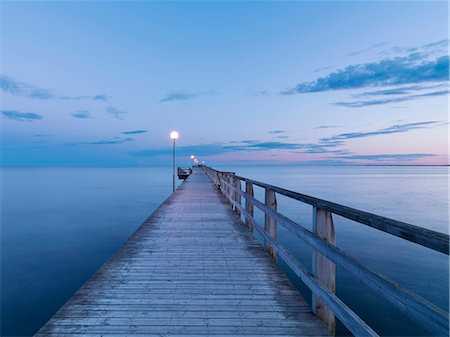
(194,269)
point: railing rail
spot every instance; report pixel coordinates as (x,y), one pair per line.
(422,236)
(326,255)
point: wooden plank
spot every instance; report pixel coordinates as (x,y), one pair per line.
(323,269)
(192,269)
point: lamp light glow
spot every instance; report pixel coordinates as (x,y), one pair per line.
(174,135)
(192,156)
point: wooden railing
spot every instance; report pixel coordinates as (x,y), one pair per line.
(322,280)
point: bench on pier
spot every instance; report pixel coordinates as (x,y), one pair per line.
(184,172)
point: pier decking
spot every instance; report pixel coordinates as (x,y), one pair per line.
(192,268)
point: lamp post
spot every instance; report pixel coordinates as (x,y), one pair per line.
(192,159)
(174,136)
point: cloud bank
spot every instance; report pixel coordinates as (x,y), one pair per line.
(384,157)
(332,146)
(17,88)
(397,128)
(407,76)
(388,72)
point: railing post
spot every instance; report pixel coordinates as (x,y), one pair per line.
(230,196)
(323,269)
(219,178)
(248,204)
(270,225)
(232,193)
(224,186)
(237,196)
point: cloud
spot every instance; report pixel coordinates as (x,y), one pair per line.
(184,95)
(257,92)
(40,135)
(328,146)
(115,140)
(396,71)
(327,127)
(397,128)
(273,146)
(102,98)
(252,145)
(249,141)
(374,46)
(116,113)
(323,68)
(134,132)
(81,114)
(246,145)
(442,43)
(198,150)
(363,103)
(407,76)
(21,116)
(384,157)
(404,90)
(320,149)
(433,48)
(275,132)
(111,141)
(17,88)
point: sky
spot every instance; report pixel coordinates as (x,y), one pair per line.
(313,83)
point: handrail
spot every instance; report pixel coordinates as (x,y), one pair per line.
(395,293)
(422,236)
(414,306)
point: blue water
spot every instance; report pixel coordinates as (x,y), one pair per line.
(60,224)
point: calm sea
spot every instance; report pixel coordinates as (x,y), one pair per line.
(59,225)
